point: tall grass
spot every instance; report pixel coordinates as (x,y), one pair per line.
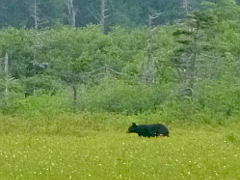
(95,146)
(43,140)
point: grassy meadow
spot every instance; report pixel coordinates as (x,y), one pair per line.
(96,146)
(68,96)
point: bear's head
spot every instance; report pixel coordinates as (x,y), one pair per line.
(132,128)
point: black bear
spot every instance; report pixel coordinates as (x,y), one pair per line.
(149,130)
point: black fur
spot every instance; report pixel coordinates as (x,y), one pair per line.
(149,130)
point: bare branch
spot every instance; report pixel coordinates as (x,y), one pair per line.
(152,17)
(93,15)
(72,12)
(102,17)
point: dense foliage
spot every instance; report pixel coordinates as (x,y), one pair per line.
(182,69)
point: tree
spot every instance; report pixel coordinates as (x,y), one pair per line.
(35,14)
(102,16)
(72,12)
(190,37)
(149,66)
(224,10)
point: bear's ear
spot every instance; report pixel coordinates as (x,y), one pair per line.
(134,124)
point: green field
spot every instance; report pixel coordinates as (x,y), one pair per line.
(69,94)
(95,147)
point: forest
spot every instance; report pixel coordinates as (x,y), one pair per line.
(184,68)
(39,14)
(80,13)
(75,74)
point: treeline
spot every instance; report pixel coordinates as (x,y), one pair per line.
(79,13)
(47,13)
(182,69)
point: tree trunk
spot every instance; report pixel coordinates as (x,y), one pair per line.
(74,97)
(35,15)
(72,11)
(149,67)
(103,16)
(186,6)
(192,62)
(6,73)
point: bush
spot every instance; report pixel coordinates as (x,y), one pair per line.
(119,97)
